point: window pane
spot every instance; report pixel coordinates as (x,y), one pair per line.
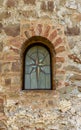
(37,68)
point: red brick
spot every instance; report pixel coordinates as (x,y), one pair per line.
(46,32)
(39,28)
(53,35)
(74,58)
(60,59)
(60,49)
(58,41)
(27,34)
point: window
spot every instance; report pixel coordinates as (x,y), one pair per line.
(38,63)
(37,68)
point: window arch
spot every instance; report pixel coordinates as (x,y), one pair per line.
(38,64)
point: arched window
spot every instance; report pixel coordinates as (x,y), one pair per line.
(37,68)
(38,64)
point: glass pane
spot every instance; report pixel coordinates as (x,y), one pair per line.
(27,81)
(37,68)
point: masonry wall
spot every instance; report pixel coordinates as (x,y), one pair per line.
(59,21)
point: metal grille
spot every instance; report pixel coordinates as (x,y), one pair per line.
(37,68)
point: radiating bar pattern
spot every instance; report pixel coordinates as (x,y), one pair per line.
(37,68)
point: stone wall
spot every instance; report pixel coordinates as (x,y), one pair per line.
(60,22)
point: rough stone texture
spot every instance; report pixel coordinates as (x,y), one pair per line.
(50,5)
(29,1)
(1,46)
(72,31)
(12,30)
(11,3)
(4,15)
(60,22)
(1,26)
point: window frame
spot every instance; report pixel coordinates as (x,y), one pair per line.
(41,41)
(27,49)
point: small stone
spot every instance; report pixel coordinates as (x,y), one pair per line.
(71,4)
(12,30)
(75,77)
(0,67)
(1,46)
(29,13)
(72,68)
(4,15)
(7,82)
(30,2)
(43,6)
(15,66)
(1,2)
(11,3)
(79,88)
(50,6)
(72,31)
(1,26)
(64,105)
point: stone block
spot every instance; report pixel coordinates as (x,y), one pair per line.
(30,2)
(12,30)
(50,6)
(15,66)
(1,27)
(72,68)
(53,35)
(0,67)
(1,46)
(4,15)
(75,77)
(72,31)
(43,6)
(74,58)
(7,82)
(1,2)
(11,3)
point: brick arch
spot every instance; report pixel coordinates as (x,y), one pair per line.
(55,35)
(39,40)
